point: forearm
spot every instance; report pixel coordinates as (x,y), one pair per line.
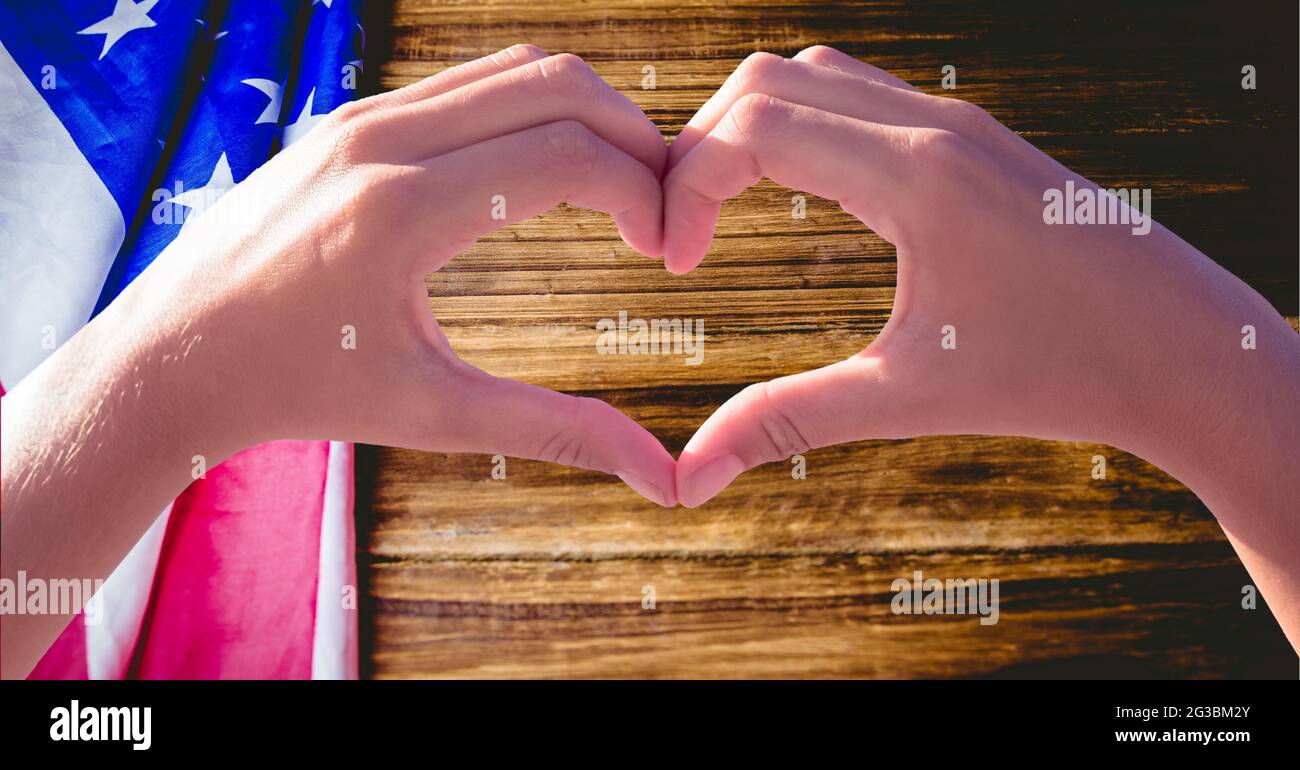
(96,441)
(1249,477)
(1226,424)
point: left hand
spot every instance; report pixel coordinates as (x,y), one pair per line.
(305,283)
(295,307)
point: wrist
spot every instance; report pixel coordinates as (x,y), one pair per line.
(1226,423)
(159,371)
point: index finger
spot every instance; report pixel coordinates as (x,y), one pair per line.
(561,87)
(860,164)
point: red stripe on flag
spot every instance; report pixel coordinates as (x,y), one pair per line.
(235,590)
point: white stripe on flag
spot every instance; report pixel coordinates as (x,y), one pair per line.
(334,640)
(59,228)
(111,642)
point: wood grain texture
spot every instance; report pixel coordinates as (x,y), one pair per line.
(1063,614)
(541,574)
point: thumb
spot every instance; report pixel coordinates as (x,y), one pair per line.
(493,415)
(770,421)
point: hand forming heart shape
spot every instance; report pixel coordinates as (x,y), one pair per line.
(1041,351)
(1029,302)
(985,282)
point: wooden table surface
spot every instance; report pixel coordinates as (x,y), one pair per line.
(542,574)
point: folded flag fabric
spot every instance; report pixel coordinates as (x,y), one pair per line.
(119,121)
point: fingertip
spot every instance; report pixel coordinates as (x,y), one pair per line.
(664,495)
(655,474)
(642,228)
(700,481)
(684,245)
(642,462)
(679,264)
(689,223)
(651,249)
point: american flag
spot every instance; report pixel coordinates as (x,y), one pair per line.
(120,120)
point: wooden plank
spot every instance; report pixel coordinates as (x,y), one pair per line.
(541,574)
(1174,119)
(869,497)
(1143,613)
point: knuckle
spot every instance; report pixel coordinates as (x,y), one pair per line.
(342,191)
(938,146)
(373,189)
(569,73)
(570,146)
(752,115)
(569,444)
(356,142)
(757,69)
(782,435)
(519,52)
(947,163)
(378,188)
(589,411)
(343,145)
(970,118)
(816,54)
(348,134)
(347,113)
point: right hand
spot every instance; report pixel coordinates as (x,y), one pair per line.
(1076,332)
